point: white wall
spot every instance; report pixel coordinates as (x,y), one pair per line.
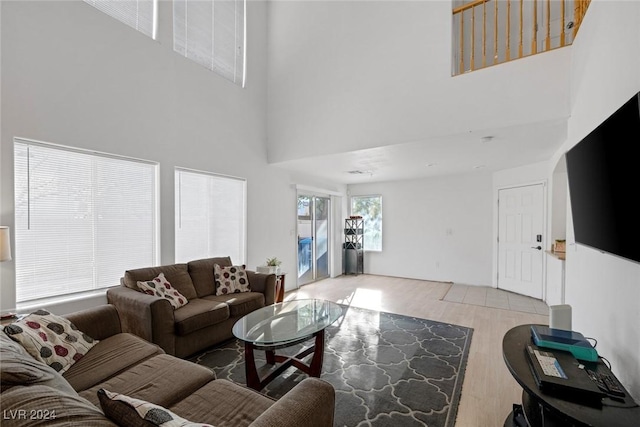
(434,229)
(604,290)
(75,76)
(348,75)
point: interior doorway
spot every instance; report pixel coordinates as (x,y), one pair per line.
(313,238)
(520,239)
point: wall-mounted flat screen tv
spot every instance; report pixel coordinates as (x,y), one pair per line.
(604,184)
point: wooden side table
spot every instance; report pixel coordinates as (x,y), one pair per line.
(280,287)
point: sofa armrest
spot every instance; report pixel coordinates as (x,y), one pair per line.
(265,283)
(146,316)
(98,322)
(311,404)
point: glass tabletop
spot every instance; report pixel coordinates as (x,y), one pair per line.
(286,322)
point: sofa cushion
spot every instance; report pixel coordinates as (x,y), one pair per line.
(51,339)
(230,279)
(176,274)
(198,314)
(53,409)
(109,357)
(120,412)
(161,287)
(127,411)
(225,410)
(201,272)
(162,379)
(240,303)
(17,367)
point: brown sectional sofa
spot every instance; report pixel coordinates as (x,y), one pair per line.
(33,394)
(206,320)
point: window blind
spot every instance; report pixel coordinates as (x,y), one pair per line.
(138,14)
(82,219)
(212,33)
(210,216)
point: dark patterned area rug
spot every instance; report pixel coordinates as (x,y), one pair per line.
(387,369)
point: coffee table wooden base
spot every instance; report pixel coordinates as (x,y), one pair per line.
(313,369)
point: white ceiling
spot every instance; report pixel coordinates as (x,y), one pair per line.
(445,155)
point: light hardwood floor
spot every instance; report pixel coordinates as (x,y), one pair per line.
(488,390)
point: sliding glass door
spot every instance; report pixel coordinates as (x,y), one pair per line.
(313,238)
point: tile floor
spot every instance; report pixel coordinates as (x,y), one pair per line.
(496,298)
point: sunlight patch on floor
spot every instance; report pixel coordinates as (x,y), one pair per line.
(360,297)
(367,298)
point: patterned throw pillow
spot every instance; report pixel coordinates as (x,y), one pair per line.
(130,412)
(231,279)
(50,339)
(161,287)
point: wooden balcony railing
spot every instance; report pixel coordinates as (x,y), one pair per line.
(490,32)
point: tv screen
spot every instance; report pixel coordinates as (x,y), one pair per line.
(604,184)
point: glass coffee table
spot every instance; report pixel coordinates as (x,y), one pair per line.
(283,325)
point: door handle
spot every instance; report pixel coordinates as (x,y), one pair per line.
(537,247)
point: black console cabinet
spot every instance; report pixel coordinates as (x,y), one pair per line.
(545,410)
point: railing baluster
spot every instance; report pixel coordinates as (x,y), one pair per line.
(473,39)
(562,24)
(576,17)
(495,32)
(534,29)
(484,34)
(580,8)
(521,29)
(547,40)
(508,53)
(462,42)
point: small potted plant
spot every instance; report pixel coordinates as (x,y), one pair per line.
(272,266)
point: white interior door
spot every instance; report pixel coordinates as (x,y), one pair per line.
(520,239)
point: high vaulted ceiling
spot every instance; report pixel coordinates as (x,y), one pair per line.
(375,96)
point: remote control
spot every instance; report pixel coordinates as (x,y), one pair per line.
(606,383)
(612,385)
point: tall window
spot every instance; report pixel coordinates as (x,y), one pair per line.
(212,33)
(370,208)
(82,219)
(210,216)
(138,14)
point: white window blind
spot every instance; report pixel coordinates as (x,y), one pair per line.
(82,219)
(212,33)
(210,216)
(138,14)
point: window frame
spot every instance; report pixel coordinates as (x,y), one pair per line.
(154,245)
(178,211)
(102,7)
(366,223)
(192,52)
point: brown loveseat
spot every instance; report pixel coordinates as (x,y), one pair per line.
(206,320)
(33,394)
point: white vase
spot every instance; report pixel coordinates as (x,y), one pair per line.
(268,269)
